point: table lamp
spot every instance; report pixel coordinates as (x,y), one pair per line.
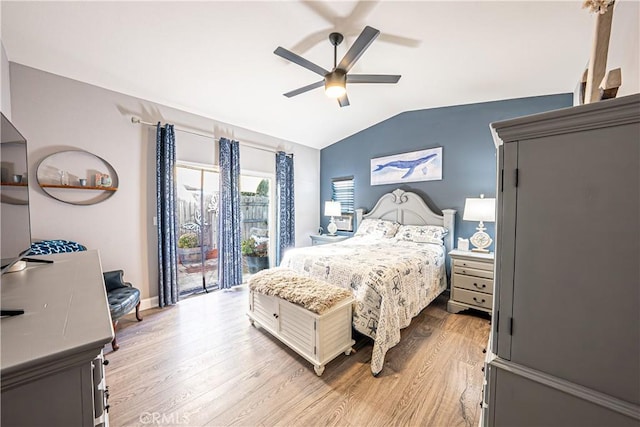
(480,209)
(332,209)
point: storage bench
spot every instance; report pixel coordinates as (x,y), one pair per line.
(311,317)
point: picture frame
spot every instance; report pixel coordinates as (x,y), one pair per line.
(414,166)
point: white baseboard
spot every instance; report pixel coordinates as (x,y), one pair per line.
(148,303)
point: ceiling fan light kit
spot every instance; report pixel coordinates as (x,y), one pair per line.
(335,84)
(335,81)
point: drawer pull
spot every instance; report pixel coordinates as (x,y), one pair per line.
(275,315)
(464,271)
(480,287)
(482,301)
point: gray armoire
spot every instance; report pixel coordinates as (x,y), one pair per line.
(565,344)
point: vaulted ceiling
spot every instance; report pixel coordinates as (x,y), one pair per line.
(216,58)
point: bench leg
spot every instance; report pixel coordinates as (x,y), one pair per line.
(319,369)
(138,316)
(114,344)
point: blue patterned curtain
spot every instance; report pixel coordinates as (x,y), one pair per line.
(230,256)
(285,208)
(166,205)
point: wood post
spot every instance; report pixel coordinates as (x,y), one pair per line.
(610,84)
(599,51)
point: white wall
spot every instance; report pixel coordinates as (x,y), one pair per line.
(5,86)
(55,113)
(624,45)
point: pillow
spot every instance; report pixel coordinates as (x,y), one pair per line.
(422,233)
(46,247)
(377,228)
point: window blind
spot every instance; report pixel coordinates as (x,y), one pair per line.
(342,191)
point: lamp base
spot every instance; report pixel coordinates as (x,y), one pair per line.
(332,228)
(481,241)
(480,250)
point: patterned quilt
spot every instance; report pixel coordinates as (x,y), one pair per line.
(392,281)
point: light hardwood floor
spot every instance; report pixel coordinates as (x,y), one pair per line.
(201,363)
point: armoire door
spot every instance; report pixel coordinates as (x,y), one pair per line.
(571,256)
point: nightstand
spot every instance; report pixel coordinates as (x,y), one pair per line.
(323,239)
(471,281)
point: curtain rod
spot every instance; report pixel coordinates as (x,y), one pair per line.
(137,120)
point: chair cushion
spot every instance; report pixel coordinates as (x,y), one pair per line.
(122,301)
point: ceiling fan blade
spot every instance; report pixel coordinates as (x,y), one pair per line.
(297,59)
(399,40)
(372,78)
(304,89)
(343,100)
(366,37)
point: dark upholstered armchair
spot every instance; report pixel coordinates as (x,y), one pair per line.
(123,297)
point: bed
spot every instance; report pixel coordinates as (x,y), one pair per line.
(393,274)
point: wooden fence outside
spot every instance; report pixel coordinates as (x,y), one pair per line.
(254,212)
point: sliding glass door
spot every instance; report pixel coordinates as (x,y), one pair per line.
(197,217)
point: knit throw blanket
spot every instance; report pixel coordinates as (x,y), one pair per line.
(312,294)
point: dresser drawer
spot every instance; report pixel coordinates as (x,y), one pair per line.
(479,284)
(473,272)
(473,298)
(478,265)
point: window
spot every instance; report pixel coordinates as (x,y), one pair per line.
(342,191)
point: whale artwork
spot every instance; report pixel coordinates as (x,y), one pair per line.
(424,165)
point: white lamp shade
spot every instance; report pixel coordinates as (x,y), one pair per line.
(332,209)
(479,209)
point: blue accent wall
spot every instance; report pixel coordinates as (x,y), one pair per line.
(468,158)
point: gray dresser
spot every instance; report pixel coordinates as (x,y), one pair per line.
(51,364)
(566,321)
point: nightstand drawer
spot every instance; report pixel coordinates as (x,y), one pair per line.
(473,272)
(473,264)
(473,298)
(478,284)
(324,239)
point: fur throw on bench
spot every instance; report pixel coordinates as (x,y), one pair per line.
(312,294)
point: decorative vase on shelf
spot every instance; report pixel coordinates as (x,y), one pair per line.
(64,178)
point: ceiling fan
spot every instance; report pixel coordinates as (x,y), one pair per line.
(335,81)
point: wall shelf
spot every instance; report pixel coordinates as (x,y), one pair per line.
(78,187)
(14,184)
(62,171)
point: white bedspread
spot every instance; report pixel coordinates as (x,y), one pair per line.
(392,281)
